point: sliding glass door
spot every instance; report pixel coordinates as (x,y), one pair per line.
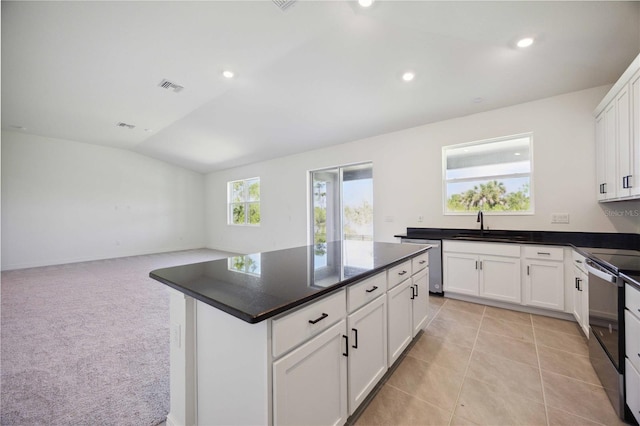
(342,204)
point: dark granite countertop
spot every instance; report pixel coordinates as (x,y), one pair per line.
(259,286)
(575,239)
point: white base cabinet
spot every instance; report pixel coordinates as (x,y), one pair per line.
(408,310)
(310,383)
(544,277)
(580,293)
(420,301)
(367,328)
(488,270)
(400,319)
(632,349)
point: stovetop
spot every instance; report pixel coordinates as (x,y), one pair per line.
(627,261)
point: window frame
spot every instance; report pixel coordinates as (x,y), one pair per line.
(245,202)
(529,212)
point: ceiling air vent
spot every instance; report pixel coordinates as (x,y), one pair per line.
(283,4)
(125,125)
(169,85)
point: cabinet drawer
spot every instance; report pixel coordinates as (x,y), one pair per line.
(632,299)
(490,249)
(361,293)
(632,338)
(632,379)
(420,262)
(543,252)
(579,261)
(398,273)
(296,327)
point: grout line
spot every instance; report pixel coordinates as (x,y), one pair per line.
(544,396)
(466,370)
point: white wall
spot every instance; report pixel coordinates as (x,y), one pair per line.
(408,177)
(65,201)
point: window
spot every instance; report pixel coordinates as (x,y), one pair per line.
(244,202)
(493,176)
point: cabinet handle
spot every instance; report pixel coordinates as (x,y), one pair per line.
(578,282)
(355,337)
(323,316)
(416,290)
(604,188)
(413,292)
(346,345)
(402,273)
(422,262)
(578,261)
(481,265)
(372,289)
(476,264)
(528,270)
(546,253)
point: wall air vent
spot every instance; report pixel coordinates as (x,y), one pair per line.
(169,85)
(125,125)
(283,4)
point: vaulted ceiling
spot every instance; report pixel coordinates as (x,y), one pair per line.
(315,74)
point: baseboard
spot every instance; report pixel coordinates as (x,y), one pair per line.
(511,306)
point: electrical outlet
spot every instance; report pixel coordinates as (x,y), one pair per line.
(420,218)
(388,218)
(560,218)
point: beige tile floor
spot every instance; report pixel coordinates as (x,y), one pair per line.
(480,365)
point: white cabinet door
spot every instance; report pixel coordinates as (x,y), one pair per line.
(634,88)
(632,379)
(420,301)
(367,360)
(577,296)
(544,284)
(623,142)
(601,176)
(610,151)
(460,273)
(500,278)
(632,338)
(400,320)
(581,299)
(310,383)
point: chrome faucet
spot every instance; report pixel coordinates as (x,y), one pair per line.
(481,221)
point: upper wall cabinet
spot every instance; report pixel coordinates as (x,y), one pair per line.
(618,138)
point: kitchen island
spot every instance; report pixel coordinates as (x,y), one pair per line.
(290,336)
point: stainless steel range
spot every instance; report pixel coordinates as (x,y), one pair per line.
(606,318)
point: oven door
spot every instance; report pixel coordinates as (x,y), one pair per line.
(606,334)
(604,314)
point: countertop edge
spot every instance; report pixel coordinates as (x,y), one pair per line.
(251,319)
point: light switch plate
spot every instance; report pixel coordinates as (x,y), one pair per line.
(560,218)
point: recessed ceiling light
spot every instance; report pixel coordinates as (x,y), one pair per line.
(517,153)
(525,42)
(365,3)
(408,76)
(227,74)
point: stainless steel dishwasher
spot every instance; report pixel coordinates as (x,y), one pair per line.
(435,262)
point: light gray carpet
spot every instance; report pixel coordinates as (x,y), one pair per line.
(88,343)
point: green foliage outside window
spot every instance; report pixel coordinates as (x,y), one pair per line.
(244,196)
(490,196)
